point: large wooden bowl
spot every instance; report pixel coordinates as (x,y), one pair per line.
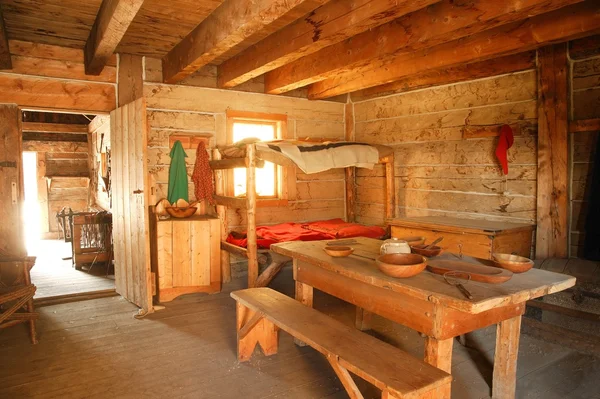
(514,263)
(401,265)
(181,213)
(429,252)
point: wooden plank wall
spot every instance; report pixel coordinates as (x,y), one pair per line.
(99,126)
(12,243)
(51,77)
(181,109)
(438,170)
(585,104)
(67,164)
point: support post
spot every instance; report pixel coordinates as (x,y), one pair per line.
(390,188)
(552,171)
(251,200)
(222,213)
(363,319)
(304,295)
(505,359)
(438,353)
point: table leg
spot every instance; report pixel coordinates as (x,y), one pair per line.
(438,353)
(363,319)
(505,360)
(304,294)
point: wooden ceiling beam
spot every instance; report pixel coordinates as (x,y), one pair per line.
(431,26)
(112,21)
(229,25)
(561,25)
(329,24)
(461,73)
(40,136)
(54,127)
(5,61)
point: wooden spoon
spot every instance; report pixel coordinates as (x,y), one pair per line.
(433,243)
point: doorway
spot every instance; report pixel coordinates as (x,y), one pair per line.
(57,176)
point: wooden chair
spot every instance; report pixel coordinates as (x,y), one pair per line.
(16,296)
(261,312)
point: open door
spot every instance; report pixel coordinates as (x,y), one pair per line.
(12,242)
(129,181)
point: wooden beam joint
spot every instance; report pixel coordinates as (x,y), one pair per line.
(112,21)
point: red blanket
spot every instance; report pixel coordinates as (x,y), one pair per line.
(312,231)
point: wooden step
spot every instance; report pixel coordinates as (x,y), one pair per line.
(383,365)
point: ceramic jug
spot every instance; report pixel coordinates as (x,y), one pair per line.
(394,246)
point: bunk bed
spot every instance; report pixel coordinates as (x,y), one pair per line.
(254,155)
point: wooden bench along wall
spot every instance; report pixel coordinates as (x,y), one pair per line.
(261,312)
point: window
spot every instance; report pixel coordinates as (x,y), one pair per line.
(274,184)
(267,179)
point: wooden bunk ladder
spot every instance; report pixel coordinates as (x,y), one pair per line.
(251,252)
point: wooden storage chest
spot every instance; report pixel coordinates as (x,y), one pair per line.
(478,238)
(186,256)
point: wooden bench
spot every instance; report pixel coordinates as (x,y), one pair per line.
(261,312)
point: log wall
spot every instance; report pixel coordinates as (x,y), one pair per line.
(585,104)
(444,155)
(181,109)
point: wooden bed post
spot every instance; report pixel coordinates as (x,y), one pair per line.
(350,194)
(251,201)
(390,188)
(222,213)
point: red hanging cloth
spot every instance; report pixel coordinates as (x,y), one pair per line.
(203,176)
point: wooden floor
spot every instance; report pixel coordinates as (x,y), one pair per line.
(96,349)
(55,277)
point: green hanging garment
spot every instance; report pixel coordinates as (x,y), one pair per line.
(178,179)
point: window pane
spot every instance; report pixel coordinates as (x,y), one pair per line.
(266,185)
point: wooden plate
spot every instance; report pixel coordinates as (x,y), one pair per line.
(481,273)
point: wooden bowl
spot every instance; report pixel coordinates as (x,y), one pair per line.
(401,265)
(181,213)
(429,252)
(514,263)
(414,240)
(337,251)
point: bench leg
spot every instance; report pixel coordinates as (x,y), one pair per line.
(438,353)
(253,329)
(304,295)
(363,319)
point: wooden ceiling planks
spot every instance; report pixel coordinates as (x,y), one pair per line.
(65,23)
(437,24)
(561,25)
(327,25)
(158,27)
(231,24)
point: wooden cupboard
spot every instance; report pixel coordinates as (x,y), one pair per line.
(478,238)
(186,256)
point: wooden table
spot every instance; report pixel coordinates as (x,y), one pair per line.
(425,303)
